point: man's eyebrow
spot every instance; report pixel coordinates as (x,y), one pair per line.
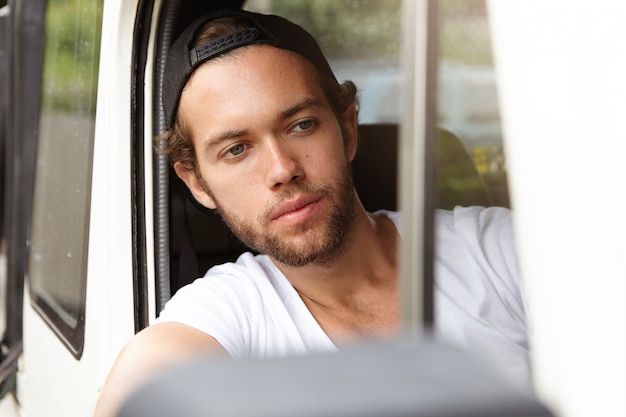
(215,140)
(304,104)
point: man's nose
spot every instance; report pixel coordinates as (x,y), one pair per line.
(283,165)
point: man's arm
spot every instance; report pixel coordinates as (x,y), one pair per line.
(152,349)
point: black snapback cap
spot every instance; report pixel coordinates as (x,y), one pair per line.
(183,58)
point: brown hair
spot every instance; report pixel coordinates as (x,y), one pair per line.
(176,142)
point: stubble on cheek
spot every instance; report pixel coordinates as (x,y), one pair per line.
(319,243)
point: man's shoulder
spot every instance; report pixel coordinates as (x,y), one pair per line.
(469,220)
(480,301)
(249,273)
(247,265)
(475,215)
(480,236)
(233,292)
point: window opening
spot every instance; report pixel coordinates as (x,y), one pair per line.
(58,243)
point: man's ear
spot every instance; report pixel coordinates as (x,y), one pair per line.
(189,177)
(350,123)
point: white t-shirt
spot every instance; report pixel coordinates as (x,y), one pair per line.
(252,310)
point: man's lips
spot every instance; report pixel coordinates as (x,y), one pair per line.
(296,209)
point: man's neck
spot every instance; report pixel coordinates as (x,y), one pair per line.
(356,295)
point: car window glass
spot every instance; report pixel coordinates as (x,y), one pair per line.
(467,102)
(60,223)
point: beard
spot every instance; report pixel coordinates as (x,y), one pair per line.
(315,244)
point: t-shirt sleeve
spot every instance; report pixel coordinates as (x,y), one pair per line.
(479,301)
(217,304)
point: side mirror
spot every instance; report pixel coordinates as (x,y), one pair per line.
(420,379)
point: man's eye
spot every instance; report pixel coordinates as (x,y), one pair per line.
(236,150)
(304,125)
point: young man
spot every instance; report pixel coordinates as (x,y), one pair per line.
(262,132)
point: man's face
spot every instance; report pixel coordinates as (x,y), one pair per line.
(271,154)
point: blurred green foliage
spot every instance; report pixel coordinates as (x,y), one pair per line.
(371,29)
(464,32)
(357,29)
(458,180)
(71,55)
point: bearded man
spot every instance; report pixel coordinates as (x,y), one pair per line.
(262,132)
